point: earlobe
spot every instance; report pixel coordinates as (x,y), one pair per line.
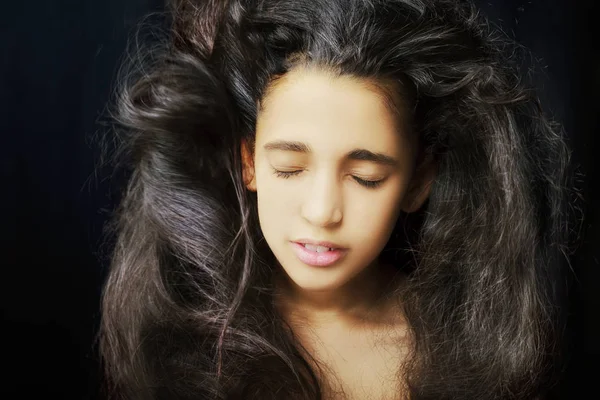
(420,189)
(248,171)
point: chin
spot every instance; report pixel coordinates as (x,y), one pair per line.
(315,279)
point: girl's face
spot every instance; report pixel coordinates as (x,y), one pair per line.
(333,164)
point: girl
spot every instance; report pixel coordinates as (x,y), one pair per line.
(335,199)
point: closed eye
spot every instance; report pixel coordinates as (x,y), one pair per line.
(286,174)
(364,182)
(368,183)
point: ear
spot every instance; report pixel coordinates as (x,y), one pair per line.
(420,186)
(248,171)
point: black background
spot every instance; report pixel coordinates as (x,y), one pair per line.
(59,61)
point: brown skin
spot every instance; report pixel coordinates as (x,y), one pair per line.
(336,311)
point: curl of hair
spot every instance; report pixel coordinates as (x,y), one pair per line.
(187,308)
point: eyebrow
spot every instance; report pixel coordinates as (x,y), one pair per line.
(356,154)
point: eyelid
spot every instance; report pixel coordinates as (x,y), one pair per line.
(369,177)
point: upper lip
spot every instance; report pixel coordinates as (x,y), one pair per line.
(319,243)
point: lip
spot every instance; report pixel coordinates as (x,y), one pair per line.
(319,243)
(315,259)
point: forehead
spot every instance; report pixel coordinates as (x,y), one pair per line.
(312,105)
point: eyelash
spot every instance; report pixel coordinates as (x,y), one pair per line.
(365,183)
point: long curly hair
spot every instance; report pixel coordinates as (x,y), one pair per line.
(188,309)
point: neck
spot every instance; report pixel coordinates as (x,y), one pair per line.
(362,299)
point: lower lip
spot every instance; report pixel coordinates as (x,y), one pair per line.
(315,259)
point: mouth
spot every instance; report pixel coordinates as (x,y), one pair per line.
(317,249)
(319,246)
(318,255)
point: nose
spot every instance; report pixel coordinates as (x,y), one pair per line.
(322,205)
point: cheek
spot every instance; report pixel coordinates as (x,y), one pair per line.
(275,200)
(375,217)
